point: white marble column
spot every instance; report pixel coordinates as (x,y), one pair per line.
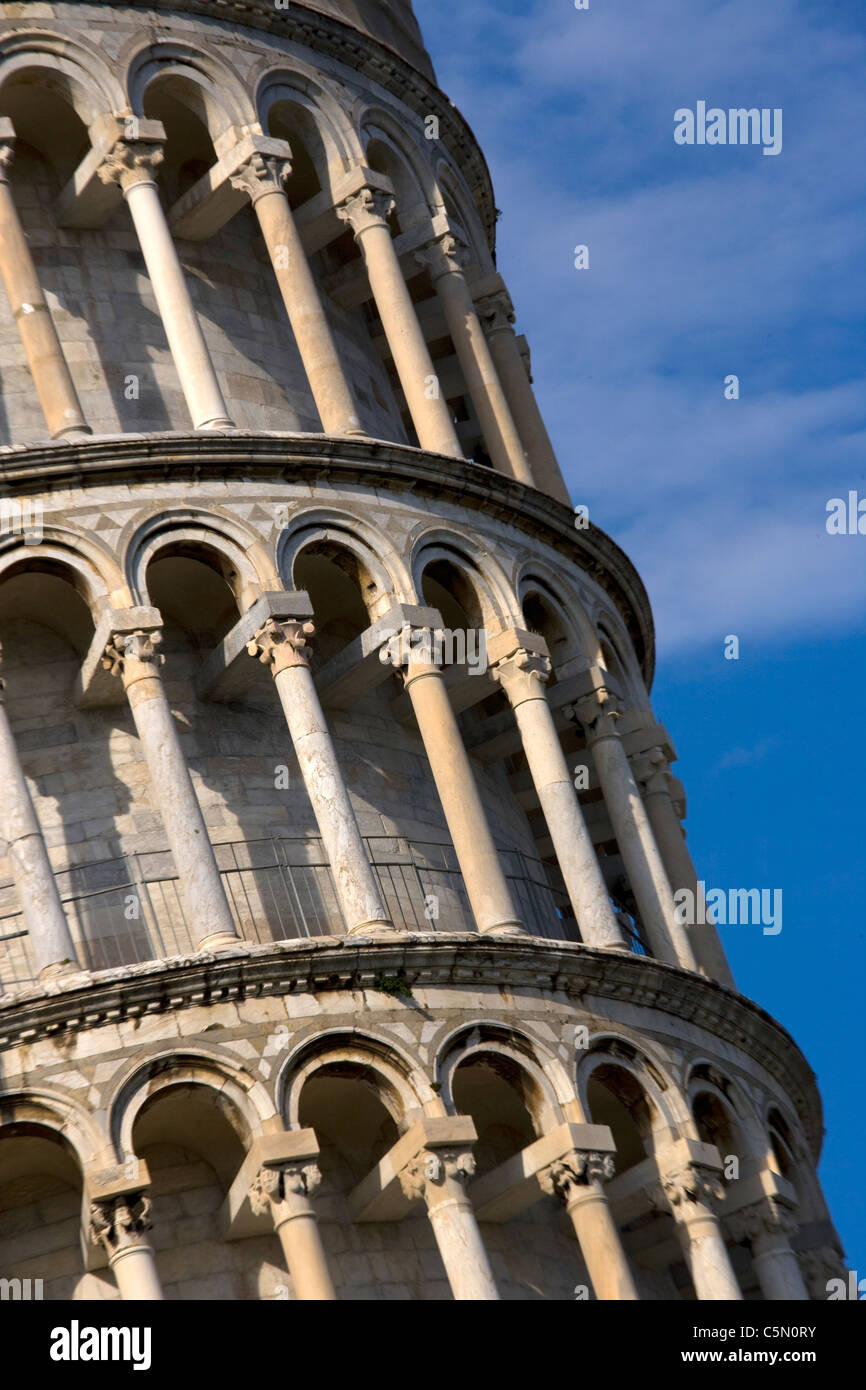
(688,1192)
(49,369)
(523,674)
(486,886)
(445,258)
(598,716)
(131,164)
(284,648)
(51,946)
(653,775)
(768,1227)
(367,214)
(262,178)
(287,1189)
(576,1179)
(119,1223)
(133,656)
(439,1176)
(496,314)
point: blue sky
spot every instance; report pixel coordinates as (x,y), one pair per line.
(707,261)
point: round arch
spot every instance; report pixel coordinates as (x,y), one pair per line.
(87,566)
(381,572)
(403,1087)
(47,1108)
(209,87)
(73,68)
(248,1106)
(410,171)
(549,1087)
(242,557)
(325,125)
(485,576)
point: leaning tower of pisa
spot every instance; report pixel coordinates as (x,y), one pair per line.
(339,955)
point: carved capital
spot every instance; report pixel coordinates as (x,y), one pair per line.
(574,1172)
(370,207)
(275,1184)
(444,255)
(818,1266)
(690,1188)
(763,1221)
(282,645)
(120,1223)
(7,154)
(129,162)
(598,714)
(652,771)
(496,312)
(261,174)
(421,645)
(430,1168)
(124,648)
(523,675)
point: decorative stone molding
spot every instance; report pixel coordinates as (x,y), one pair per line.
(522,675)
(129,162)
(393,468)
(274,1183)
(120,1222)
(576,1170)
(61,1009)
(687,1188)
(818,1266)
(652,771)
(761,1219)
(260,175)
(282,644)
(370,207)
(496,312)
(447,254)
(132,646)
(432,1167)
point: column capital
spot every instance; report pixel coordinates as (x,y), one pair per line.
(652,771)
(413,645)
(260,175)
(130,162)
(496,312)
(275,1184)
(429,1170)
(120,1221)
(523,675)
(574,1172)
(7,149)
(818,1266)
(762,1222)
(598,714)
(126,648)
(282,644)
(689,1190)
(445,254)
(369,207)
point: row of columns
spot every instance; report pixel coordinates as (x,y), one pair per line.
(495,376)
(438,1174)
(518,662)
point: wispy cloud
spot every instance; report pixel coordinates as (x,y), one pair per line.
(703,262)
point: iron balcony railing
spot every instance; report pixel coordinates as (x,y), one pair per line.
(128,909)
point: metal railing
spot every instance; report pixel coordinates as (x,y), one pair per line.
(128,909)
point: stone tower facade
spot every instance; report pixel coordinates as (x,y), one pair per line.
(339,954)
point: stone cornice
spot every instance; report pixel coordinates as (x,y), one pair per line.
(577,972)
(365,55)
(295,458)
